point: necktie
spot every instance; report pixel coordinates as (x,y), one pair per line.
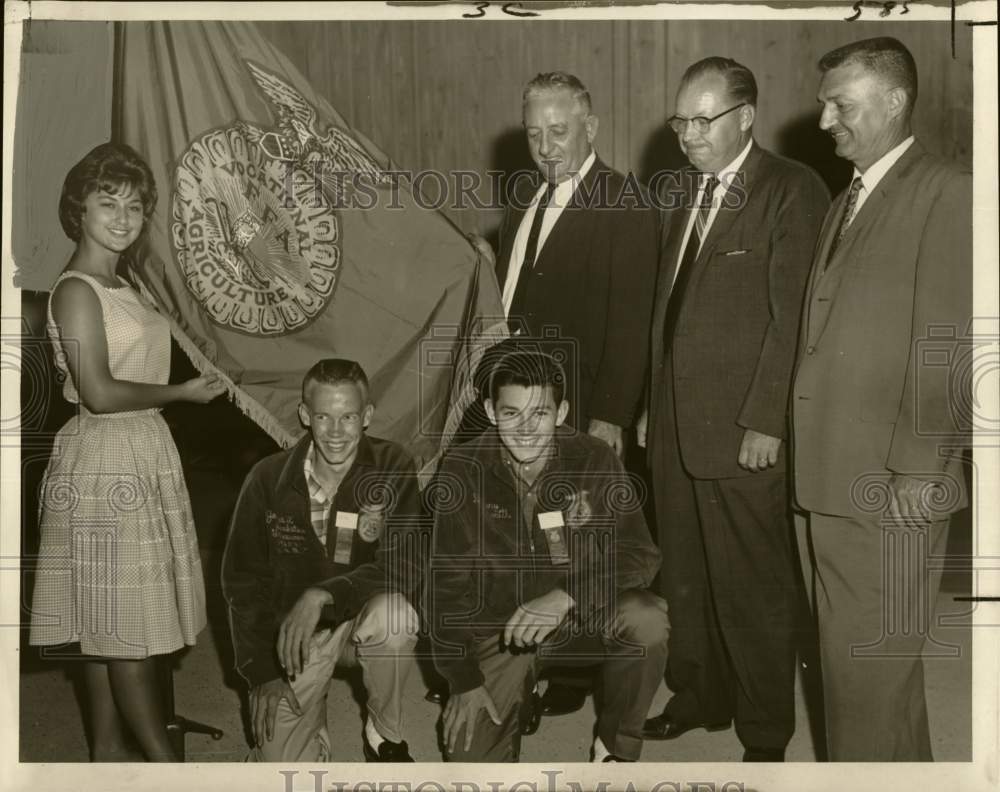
(517,304)
(701,219)
(845,219)
(687,260)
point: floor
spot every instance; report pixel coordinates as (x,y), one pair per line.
(51,727)
(207,690)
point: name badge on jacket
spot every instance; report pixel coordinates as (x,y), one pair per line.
(346,524)
(554,526)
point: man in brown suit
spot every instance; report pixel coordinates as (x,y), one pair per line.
(733,269)
(875,430)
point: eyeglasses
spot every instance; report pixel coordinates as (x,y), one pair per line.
(701,124)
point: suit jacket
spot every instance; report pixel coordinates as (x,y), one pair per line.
(882,329)
(733,348)
(592,284)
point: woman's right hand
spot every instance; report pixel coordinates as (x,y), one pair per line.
(203,389)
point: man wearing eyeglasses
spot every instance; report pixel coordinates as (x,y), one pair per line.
(734,262)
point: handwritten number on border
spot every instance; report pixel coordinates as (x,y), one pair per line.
(481,8)
(885,8)
(511,9)
(508,8)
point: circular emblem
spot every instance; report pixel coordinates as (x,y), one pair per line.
(371,524)
(257,240)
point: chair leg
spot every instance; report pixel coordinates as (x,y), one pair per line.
(178,725)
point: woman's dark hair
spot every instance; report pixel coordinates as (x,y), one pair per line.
(109,168)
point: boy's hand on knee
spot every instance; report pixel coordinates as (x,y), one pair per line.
(264,701)
(534,621)
(298,627)
(463,709)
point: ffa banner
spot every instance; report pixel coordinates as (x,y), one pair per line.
(279,239)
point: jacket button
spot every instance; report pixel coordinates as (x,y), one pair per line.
(810,350)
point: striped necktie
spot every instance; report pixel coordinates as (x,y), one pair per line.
(845,219)
(705,207)
(683,277)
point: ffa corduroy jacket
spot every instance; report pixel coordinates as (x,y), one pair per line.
(496,545)
(273,554)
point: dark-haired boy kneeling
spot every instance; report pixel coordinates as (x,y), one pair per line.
(540,555)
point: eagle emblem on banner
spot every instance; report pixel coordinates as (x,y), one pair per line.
(253,218)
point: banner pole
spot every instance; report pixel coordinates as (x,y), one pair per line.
(117,79)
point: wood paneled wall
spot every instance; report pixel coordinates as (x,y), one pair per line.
(447,95)
(63,111)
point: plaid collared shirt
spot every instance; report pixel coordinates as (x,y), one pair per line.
(319,501)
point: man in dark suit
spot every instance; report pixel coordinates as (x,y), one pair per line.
(735,260)
(577,265)
(877,436)
(578,253)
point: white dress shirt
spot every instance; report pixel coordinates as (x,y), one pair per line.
(559,201)
(726,177)
(871,177)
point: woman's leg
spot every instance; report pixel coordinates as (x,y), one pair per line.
(107,737)
(140,701)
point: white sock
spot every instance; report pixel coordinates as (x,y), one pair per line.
(599,750)
(374,738)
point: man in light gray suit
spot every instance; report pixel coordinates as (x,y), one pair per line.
(876,436)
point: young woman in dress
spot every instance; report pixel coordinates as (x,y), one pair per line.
(119,570)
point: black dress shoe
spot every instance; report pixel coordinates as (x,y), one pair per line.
(531,714)
(662,727)
(562,699)
(436,695)
(387,751)
(764,755)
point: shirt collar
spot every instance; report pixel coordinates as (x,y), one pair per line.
(565,189)
(725,176)
(316,489)
(566,447)
(365,456)
(871,177)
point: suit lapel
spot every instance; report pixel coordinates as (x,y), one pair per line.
(508,231)
(573,218)
(674,235)
(670,250)
(889,184)
(819,256)
(721,225)
(829,231)
(825,280)
(743,181)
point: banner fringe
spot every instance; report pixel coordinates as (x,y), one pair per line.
(249,406)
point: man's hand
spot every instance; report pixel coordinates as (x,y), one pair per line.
(758,451)
(911,498)
(533,621)
(463,709)
(483,248)
(298,627)
(640,428)
(608,432)
(264,700)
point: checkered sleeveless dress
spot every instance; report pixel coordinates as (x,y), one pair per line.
(118,569)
